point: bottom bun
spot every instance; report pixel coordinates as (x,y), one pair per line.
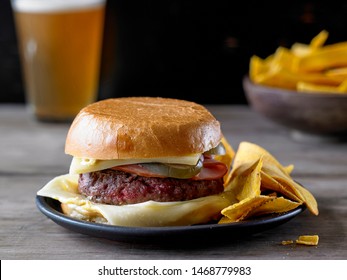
(146,214)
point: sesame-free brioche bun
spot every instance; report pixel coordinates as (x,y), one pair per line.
(142,127)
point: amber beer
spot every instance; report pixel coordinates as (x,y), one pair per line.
(60,46)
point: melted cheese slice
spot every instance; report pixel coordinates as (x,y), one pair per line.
(84,165)
(65,189)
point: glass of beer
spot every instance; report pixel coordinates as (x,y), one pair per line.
(60,48)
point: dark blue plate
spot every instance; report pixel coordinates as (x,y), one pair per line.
(51,208)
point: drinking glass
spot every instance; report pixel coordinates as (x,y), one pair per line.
(60,48)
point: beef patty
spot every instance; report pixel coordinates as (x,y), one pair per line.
(119,188)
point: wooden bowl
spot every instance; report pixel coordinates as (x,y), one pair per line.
(311,113)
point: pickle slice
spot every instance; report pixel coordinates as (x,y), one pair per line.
(218,150)
(180,171)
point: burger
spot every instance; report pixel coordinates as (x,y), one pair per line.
(144,161)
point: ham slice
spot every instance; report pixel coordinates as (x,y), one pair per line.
(211,170)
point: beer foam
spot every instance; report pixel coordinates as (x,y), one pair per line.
(54,5)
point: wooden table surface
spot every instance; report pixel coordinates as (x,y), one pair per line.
(32,153)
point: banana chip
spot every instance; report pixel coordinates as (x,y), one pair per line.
(247,184)
(241,210)
(315,67)
(277,205)
(227,158)
(262,186)
(311,240)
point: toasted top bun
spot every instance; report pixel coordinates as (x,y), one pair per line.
(142,127)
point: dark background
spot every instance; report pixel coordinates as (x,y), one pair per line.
(196,50)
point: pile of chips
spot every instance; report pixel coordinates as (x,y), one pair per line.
(313,67)
(258,185)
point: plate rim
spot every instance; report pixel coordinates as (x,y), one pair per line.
(139,233)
